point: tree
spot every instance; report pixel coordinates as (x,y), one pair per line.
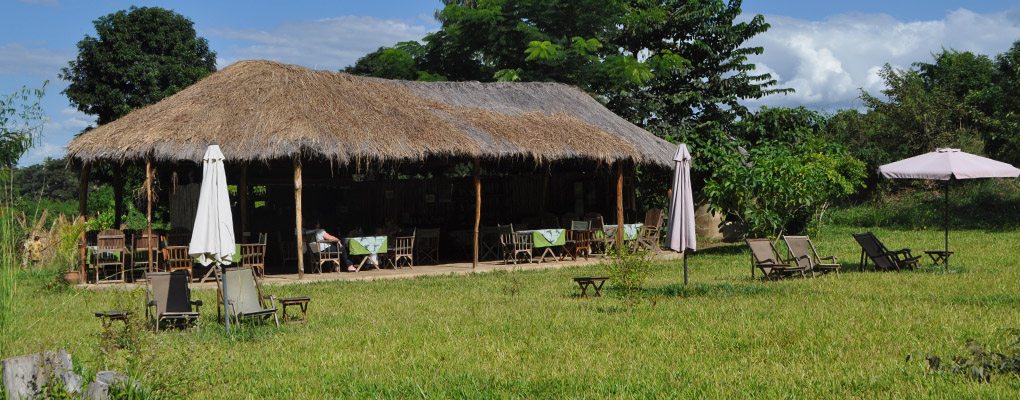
(21,119)
(139,56)
(1003,141)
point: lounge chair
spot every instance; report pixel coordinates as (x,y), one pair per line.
(245,299)
(168,299)
(765,257)
(804,254)
(873,249)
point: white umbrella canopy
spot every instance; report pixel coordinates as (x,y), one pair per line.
(680,232)
(947,165)
(212,237)
(943,164)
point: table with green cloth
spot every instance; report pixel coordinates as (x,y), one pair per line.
(547,239)
(369,247)
(630,231)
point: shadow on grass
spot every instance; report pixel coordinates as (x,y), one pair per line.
(710,290)
(725,249)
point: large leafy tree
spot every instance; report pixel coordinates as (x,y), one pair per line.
(138,57)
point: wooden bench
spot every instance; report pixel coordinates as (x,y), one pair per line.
(594,282)
(300,301)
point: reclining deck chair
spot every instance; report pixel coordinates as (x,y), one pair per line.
(873,249)
(244,296)
(765,257)
(648,236)
(803,253)
(168,299)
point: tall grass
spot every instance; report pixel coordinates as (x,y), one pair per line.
(8,266)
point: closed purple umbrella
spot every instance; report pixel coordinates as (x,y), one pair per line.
(948,165)
(680,231)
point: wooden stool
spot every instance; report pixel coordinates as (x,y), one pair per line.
(300,301)
(107,317)
(939,256)
(595,282)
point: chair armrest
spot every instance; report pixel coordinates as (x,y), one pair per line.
(151,303)
(833,258)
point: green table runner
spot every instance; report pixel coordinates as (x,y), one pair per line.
(630,231)
(547,237)
(366,245)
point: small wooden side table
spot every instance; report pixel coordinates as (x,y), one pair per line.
(594,282)
(107,317)
(300,301)
(939,257)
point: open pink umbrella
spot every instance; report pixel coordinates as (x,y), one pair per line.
(680,231)
(948,165)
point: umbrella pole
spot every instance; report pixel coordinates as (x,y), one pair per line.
(948,183)
(685,267)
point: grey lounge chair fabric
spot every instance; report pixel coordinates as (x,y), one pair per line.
(169,298)
(244,296)
(883,258)
(765,258)
(803,253)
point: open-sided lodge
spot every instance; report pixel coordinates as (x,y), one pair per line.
(357,154)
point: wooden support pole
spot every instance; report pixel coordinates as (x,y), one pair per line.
(242,200)
(83,202)
(619,207)
(118,200)
(148,208)
(297,218)
(478,210)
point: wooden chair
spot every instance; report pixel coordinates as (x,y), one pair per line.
(648,236)
(146,244)
(111,250)
(885,259)
(488,243)
(427,246)
(600,241)
(254,255)
(803,252)
(515,244)
(765,258)
(176,258)
(403,249)
(323,252)
(579,237)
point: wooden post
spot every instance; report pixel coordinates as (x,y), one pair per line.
(619,207)
(83,202)
(148,208)
(118,200)
(478,210)
(297,218)
(242,199)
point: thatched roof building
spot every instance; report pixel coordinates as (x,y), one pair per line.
(261,110)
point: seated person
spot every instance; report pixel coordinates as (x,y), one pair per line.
(330,243)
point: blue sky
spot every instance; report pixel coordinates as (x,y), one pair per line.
(826,50)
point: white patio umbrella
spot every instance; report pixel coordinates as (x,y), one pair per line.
(947,165)
(680,231)
(212,237)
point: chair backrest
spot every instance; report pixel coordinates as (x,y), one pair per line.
(145,240)
(253,254)
(763,251)
(170,291)
(597,222)
(580,225)
(506,234)
(875,250)
(242,290)
(653,218)
(110,239)
(523,240)
(404,245)
(800,250)
(177,256)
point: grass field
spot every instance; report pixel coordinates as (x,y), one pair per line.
(526,335)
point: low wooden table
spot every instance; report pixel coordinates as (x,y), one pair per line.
(939,256)
(595,282)
(300,301)
(107,317)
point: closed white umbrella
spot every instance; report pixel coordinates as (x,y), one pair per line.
(212,237)
(680,231)
(947,165)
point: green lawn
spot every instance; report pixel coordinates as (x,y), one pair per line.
(471,336)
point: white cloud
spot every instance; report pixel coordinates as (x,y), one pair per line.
(41,152)
(330,43)
(827,62)
(18,59)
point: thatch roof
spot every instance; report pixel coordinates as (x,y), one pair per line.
(261,110)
